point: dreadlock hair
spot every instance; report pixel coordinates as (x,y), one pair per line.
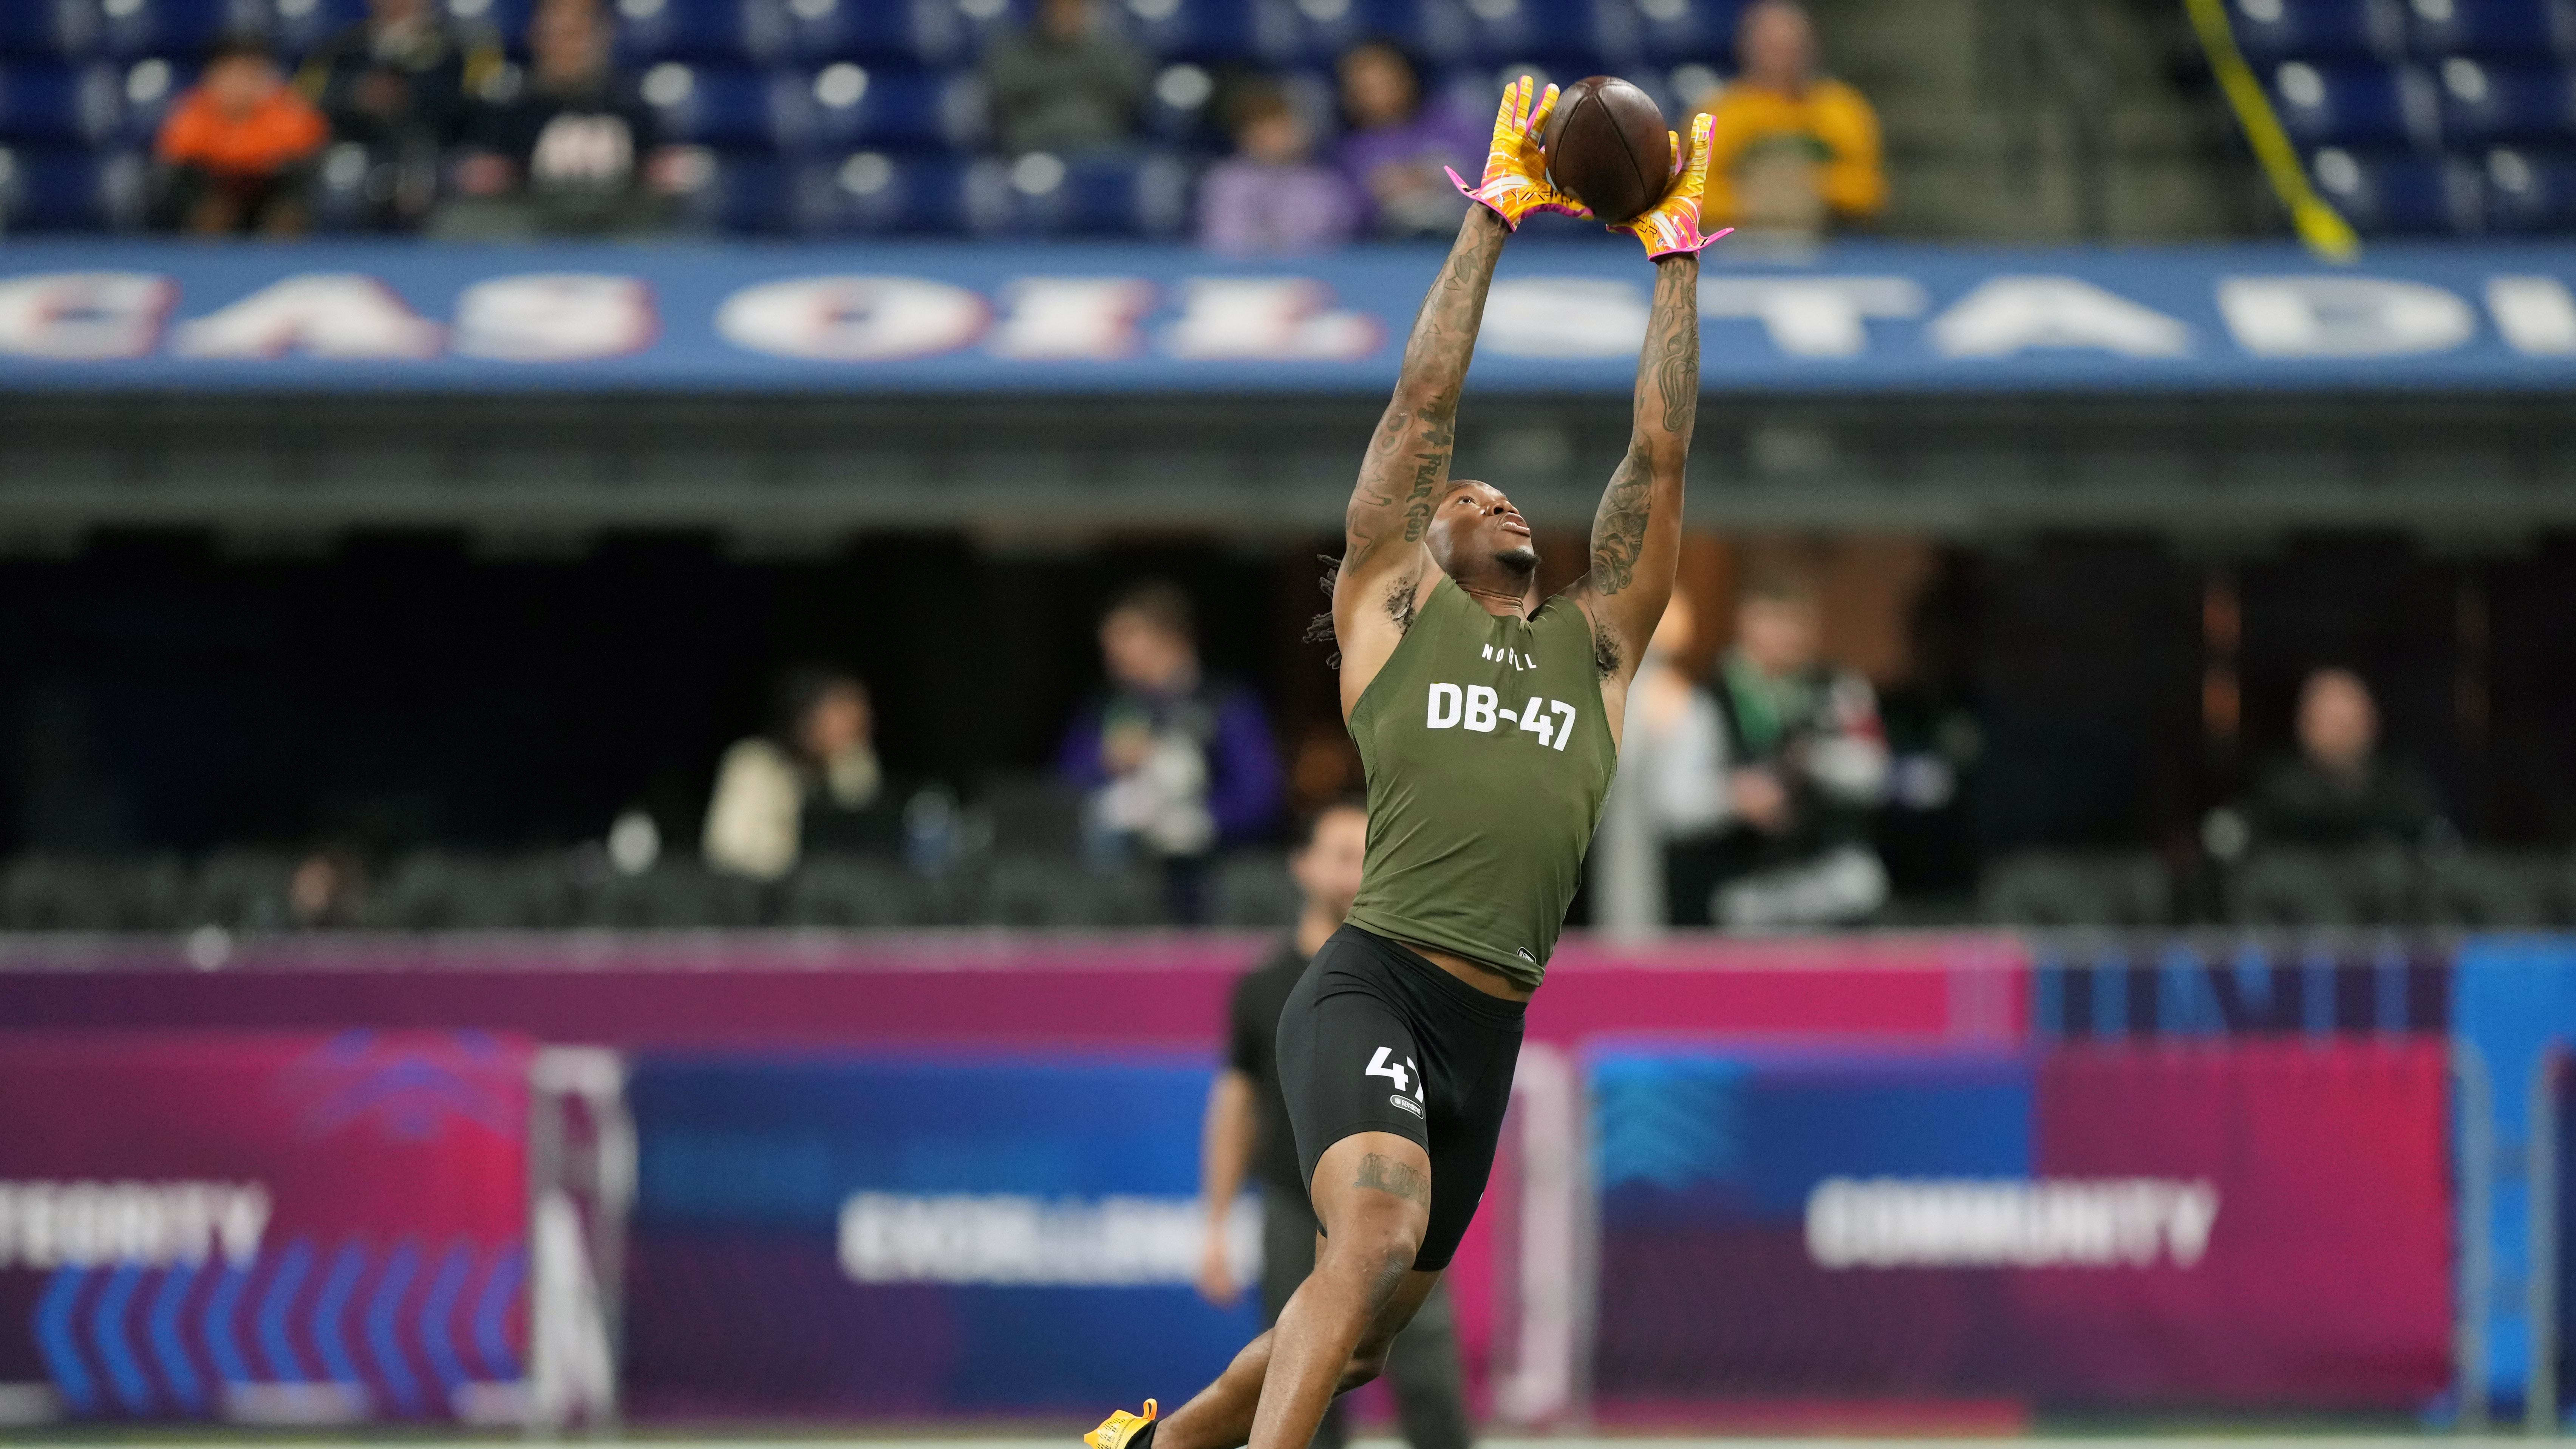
(1319,629)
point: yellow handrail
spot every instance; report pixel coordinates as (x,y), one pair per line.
(2320,225)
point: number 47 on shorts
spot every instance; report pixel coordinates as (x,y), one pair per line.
(1406,1076)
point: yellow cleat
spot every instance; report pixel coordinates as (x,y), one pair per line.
(1122,1429)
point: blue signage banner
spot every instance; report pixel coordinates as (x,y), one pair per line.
(1566,316)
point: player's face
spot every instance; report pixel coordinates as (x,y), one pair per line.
(1328,870)
(1476,533)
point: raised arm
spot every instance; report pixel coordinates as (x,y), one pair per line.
(1636,533)
(1407,465)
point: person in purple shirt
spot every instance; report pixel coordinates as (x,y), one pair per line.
(1397,145)
(1171,764)
(1271,196)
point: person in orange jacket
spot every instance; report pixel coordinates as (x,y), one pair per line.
(238,147)
(1791,151)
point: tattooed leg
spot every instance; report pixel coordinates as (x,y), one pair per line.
(1373,1191)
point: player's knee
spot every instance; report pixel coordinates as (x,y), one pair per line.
(1376,1248)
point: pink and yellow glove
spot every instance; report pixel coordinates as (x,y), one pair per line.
(1671,226)
(1515,181)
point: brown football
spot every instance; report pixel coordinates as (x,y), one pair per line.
(1607,143)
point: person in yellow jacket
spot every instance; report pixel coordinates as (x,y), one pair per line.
(1791,151)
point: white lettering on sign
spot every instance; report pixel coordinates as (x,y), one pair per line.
(853,318)
(2014,314)
(555,317)
(84,316)
(1813,316)
(1564,317)
(1072,319)
(1002,1238)
(2342,316)
(2536,315)
(324,314)
(80,1224)
(1892,1222)
(1279,319)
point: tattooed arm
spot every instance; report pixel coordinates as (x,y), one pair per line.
(1636,533)
(1384,565)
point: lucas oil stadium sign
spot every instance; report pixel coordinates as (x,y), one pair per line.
(1564,317)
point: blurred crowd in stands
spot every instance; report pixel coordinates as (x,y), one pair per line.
(413,119)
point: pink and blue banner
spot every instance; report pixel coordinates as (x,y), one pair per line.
(270,1228)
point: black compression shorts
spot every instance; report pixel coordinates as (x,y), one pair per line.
(1377,1039)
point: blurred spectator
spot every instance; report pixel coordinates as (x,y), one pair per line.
(1067,83)
(1791,152)
(327,889)
(811,785)
(2340,792)
(238,148)
(1397,145)
(1270,196)
(1765,778)
(395,86)
(1171,763)
(569,149)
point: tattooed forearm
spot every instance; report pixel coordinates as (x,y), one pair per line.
(1384,1173)
(1408,458)
(1619,525)
(1671,358)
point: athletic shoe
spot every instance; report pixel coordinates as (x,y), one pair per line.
(1123,1430)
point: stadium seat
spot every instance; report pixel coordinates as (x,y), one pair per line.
(672,896)
(300,26)
(240,890)
(1179,107)
(149,88)
(60,893)
(1040,194)
(2493,890)
(69,188)
(723,31)
(59,103)
(2071,889)
(1564,35)
(2305,888)
(874,192)
(2484,103)
(2530,192)
(175,27)
(906,32)
(741,192)
(2272,31)
(437,891)
(1672,32)
(505,18)
(1312,32)
(2532,29)
(1044,891)
(714,105)
(846,105)
(2356,105)
(1253,891)
(1207,30)
(2400,194)
(858,891)
(50,29)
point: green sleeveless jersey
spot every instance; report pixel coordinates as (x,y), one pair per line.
(1488,754)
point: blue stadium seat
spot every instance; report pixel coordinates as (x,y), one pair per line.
(1675,32)
(871,193)
(50,29)
(302,25)
(1042,195)
(1180,106)
(846,106)
(150,87)
(64,188)
(2400,194)
(59,103)
(176,27)
(2483,104)
(2272,31)
(913,32)
(711,105)
(1211,30)
(704,30)
(1312,32)
(1565,35)
(2531,28)
(2531,192)
(2356,105)
(740,192)
(505,18)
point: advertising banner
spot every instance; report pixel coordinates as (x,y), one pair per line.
(922,1235)
(1566,315)
(274,1229)
(2220,1223)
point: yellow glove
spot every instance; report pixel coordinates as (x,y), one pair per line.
(1671,226)
(1515,181)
